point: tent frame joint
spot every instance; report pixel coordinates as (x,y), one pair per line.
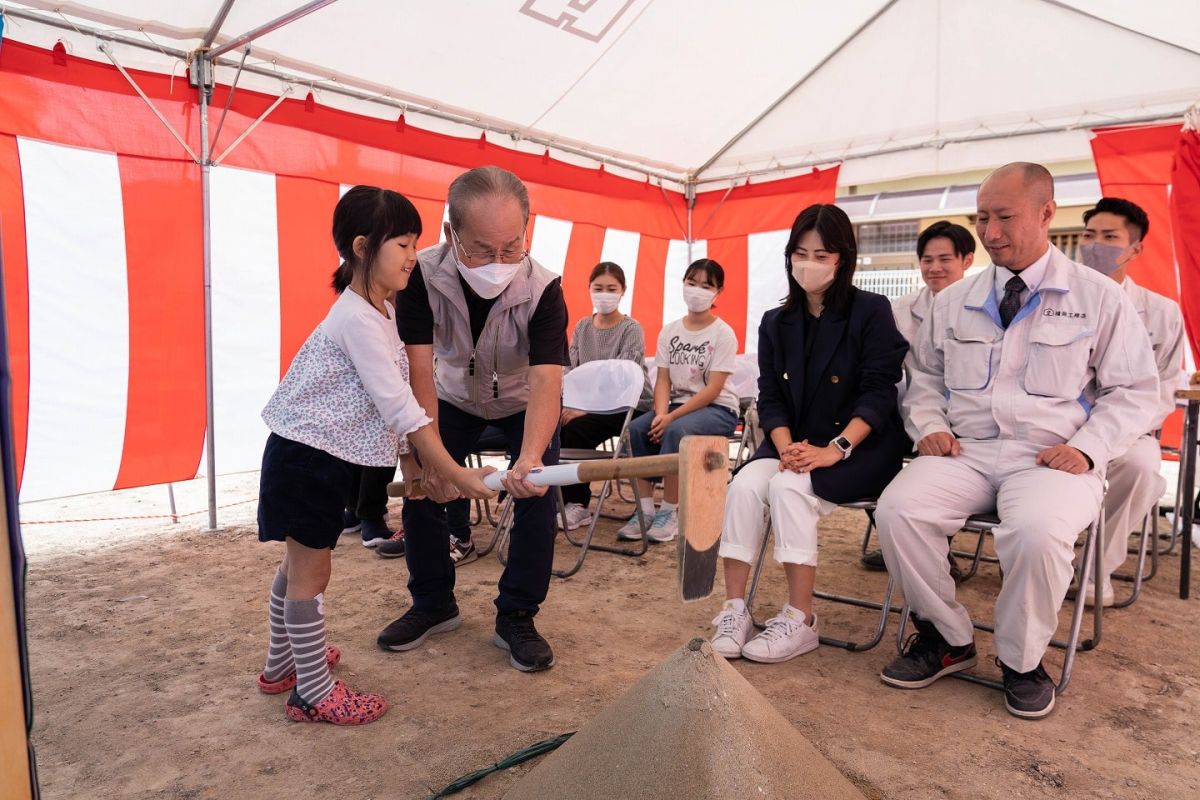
(104,47)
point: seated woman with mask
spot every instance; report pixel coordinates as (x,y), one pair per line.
(829,361)
(607,334)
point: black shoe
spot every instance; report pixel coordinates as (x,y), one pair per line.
(873,561)
(926,658)
(528,651)
(417,625)
(1029,695)
(350,522)
(392,548)
(375,532)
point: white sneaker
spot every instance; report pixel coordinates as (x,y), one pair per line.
(665,526)
(631,531)
(733,629)
(786,637)
(577,516)
(1107,594)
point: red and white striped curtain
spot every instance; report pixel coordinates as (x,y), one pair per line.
(101,225)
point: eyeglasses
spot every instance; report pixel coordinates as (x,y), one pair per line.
(490,256)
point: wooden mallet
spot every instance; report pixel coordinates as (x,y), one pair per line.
(703,468)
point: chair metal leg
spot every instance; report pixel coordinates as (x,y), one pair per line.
(586,543)
(1137,578)
(883,608)
(505,510)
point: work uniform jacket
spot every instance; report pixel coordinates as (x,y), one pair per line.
(1073,367)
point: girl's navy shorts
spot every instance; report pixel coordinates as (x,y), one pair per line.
(302,494)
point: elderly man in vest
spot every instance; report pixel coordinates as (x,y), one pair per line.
(496,322)
(1029,378)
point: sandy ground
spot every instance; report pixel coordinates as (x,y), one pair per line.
(144,653)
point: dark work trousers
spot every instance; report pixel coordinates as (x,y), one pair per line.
(588,432)
(526,579)
(458,512)
(369,497)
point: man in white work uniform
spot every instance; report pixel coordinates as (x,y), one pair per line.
(945,251)
(1116,229)
(1028,378)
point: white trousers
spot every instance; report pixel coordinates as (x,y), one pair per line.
(1134,485)
(1042,512)
(795,511)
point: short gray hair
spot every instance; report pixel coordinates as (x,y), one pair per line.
(483,182)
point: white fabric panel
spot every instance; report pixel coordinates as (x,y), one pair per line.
(551,238)
(767,279)
(445,222)
(245,313)
(342,189)
(677,264)
(78,320)
(621,248)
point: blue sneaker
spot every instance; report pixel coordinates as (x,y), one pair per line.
(665,526)
(350,522)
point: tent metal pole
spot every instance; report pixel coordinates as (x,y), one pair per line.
(210,451)
(779,168)
(217,22)
(622,160)
(268,27)
(795,86)
(104,48)
(287,91)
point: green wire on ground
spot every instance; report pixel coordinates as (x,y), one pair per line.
(533,751)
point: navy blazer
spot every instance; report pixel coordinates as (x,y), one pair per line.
(856,363)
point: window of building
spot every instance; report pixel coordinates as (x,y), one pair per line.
(887,237)
(1068,242)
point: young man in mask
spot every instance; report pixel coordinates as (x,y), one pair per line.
(1113,239)
(496,321)
(945,252)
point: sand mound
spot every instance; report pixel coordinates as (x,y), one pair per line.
(693,728)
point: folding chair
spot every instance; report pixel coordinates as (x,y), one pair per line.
(1089,563)
(884,608)
(608,386)
(744,381)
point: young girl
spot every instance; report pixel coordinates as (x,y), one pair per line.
(692,396)
(607,334)
(344,403)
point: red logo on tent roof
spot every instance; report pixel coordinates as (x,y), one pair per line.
(587,19)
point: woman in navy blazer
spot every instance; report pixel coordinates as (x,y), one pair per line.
(829,360)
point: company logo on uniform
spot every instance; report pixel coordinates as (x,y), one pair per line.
(1054,312)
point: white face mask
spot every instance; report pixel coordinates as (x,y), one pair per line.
(697,299)
(813,276)
(605,302)
(489,280)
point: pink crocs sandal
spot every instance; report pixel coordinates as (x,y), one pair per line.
(342,706)
(332,657)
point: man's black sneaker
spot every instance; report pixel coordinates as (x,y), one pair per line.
(392,548)
(926,658)
(873,561)
(1029,695)
(527,650)
(417,625)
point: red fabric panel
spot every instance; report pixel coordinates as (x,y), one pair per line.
(164,422)
(647,305)
(89,104)
(1135,163)
(16,291)
(1185,216)
(758,207)
(731,254)
(583,253)
(307,259)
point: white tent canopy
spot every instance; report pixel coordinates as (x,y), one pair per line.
(694,91)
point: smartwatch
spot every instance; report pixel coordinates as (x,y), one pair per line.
(843,444)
